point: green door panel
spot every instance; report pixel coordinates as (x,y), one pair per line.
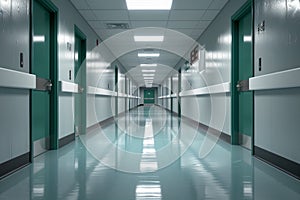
(245,71)
(149,96)
(80,79)
(41,68)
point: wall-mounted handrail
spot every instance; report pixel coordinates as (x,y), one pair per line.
(69,87)
(15,79)
(212,89)
(278,80)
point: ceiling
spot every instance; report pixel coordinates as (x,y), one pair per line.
(190,17)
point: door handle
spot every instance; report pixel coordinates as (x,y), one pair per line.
(49,85)
(242,86)
(43,84)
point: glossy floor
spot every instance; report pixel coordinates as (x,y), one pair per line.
(148,154)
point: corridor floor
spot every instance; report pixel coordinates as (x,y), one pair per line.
(148,154)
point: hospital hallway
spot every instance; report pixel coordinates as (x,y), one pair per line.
(149,99)
(165,165)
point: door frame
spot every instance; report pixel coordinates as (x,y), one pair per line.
(53,72)
(245,9)
(83,38)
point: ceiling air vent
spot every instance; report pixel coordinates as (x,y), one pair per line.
(117,25)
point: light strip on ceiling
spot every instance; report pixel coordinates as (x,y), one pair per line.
(149,4)
(148,65)
(148,75)
(148,71)
(148,54)
(148,38)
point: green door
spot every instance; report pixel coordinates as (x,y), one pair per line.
(40,102)
(245,71)
(149,96)
(80,79)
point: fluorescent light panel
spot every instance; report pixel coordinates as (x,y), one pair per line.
(148,74)
(148,54)
(148,78)
(149,4)
(148,38)
(148,71)
(148,65)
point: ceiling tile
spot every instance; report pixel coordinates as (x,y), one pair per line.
(105,33)
(191,4)
(210,14)
(96,24)
(149,15)
(79,4)
(203,24)
(111,14)
(186,14)
(104,4)
(88,14)
(138,24)
(218,4)
(182,24)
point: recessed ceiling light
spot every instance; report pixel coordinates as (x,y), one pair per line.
(148,75)
(148,71)
(148,78)
(148,38)
(148,65)
(148,54)
(149,4)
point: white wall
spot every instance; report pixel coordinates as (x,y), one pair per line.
(14,114)
(277,112)
(68,18)
(217,42)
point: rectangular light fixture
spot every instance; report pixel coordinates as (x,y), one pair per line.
(148,54)
(149,4)
(148,71)
(148,65)
(148,78)
(148,75)
(39,38)
(148,38)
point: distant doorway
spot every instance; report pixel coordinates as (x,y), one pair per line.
(149,96)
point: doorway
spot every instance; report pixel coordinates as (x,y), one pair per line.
(149,96)
(242,70)
(43,65)
(80,79)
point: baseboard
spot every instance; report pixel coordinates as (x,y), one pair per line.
(103,123)
(225,137)
(14,164)
(66,140)
(288,166)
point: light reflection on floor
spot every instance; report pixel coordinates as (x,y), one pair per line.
(228,172)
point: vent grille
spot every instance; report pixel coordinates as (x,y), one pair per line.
(117,25)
